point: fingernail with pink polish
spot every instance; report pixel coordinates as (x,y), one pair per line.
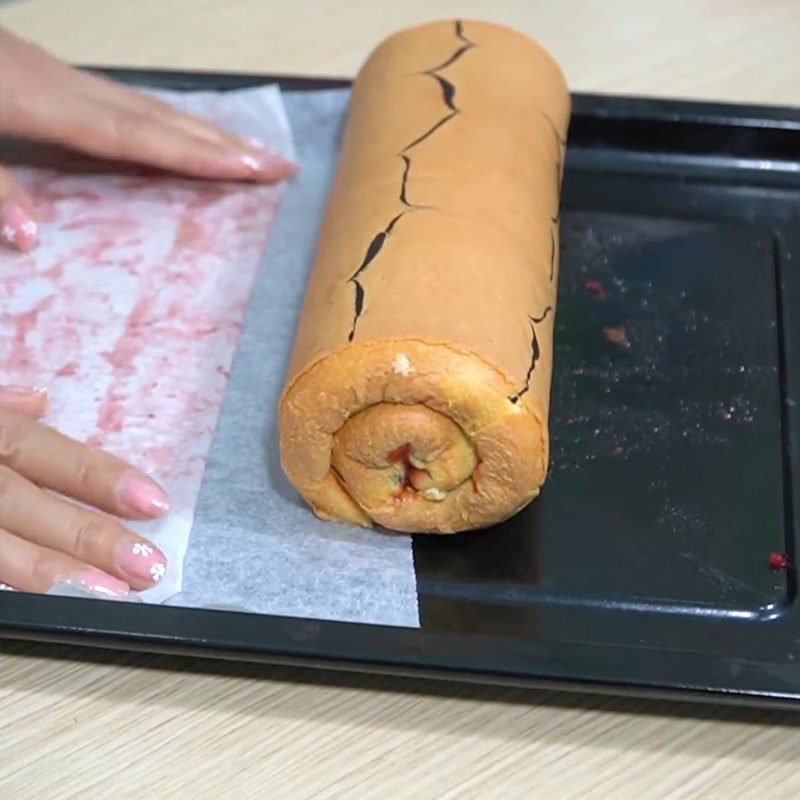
(17,227)
(23,394)
(28,391)
(142,561)
(23,399)
(269,161)
(144,496)
(100,583)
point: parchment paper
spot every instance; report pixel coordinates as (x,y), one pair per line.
(129,309)
(254,545)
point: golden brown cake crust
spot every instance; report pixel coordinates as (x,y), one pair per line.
(418,389)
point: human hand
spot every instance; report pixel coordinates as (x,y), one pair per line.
(48,542)
(45,100)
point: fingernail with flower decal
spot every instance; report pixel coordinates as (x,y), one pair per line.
(17,227)
(142,561)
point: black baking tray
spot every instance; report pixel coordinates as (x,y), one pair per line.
(644,568)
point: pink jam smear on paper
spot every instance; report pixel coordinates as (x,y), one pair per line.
(130,308)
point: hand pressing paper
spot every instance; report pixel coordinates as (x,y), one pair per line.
(130,308)
(419,386)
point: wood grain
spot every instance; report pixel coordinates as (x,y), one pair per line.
(724,49)
(84,724)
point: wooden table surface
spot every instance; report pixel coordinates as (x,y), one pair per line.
(118,726)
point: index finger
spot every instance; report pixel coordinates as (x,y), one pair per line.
(107,131)
(53,461)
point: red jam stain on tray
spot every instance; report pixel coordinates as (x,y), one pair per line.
(130,309)
(778,562)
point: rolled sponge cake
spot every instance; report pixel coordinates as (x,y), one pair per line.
(418,390)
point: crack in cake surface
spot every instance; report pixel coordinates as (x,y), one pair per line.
(380,238)
(535,353)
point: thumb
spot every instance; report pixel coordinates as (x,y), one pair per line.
(18,225)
